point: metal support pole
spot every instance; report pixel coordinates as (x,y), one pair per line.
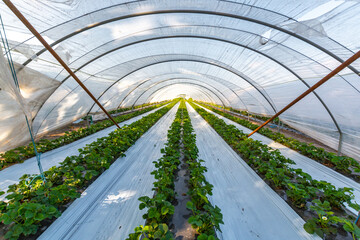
(56,56)
(340,143)
(315,86)
(279,126)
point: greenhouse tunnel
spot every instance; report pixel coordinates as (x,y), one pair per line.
(239,59)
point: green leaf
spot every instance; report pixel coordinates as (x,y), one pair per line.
(202,237)
(17,230)
(142,206)
(193,220)
(357,231)
(39,217)
(355,206)
(163,227)
(190,205)
(147,228)
(6,219)
(9,234)
(348,227)
(51,210)
(309,227)
(319,232)
(29,214)
(158,234)
(164,210)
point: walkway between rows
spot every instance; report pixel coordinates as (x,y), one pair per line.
(109,207)
(250,208)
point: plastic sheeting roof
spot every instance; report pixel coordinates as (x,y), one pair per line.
(252,55)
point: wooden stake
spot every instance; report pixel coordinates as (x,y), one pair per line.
(318,84)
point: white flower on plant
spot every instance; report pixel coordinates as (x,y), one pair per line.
(324,218)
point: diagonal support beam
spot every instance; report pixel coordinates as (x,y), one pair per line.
(315,86)
(56,56)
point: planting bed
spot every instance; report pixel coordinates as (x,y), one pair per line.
(251,209)
(344,165)
(20,154)
(51,158)
(243,190)
(315,169)
(203,217)
(273,126)
(32,204)
(320,203)
(108,208)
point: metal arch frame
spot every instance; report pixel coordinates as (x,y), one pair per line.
(237,17)
(132,90)
(233,71)
(184,83)
(199,12)
(202,91)
(157,83)
(227,68)
(257,51)
(137,1)
(210,63)
(230,42)
(210,26)
(178,78)
(227,1)
(241,45)
(225,15)
(189,79)
(322,102)
(207,76)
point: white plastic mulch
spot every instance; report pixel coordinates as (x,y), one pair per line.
(109,208)
(11,175)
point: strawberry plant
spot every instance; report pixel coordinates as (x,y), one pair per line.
(27,217)
(324,223)
(151,231)
(205,217)
(160,208)
(22,153)
(299,186)
(64,182)
(342,164)
(297,194)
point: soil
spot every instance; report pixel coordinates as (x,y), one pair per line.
(302,138)
(76,126)
(61,131)
(179,224)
